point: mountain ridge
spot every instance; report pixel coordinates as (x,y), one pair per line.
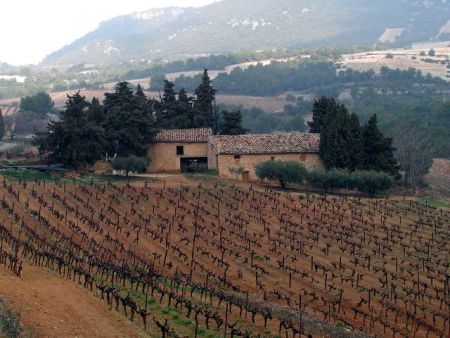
(174,32)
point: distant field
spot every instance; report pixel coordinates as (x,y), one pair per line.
(269,104)
(402,59)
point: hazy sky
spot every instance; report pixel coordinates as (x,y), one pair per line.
(31,29)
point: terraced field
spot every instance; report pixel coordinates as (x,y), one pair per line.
(214,259)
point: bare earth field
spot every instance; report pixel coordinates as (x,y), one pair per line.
(268,104)
(403,59)
(211,257)
(50,306)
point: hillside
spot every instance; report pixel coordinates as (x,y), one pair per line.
(196,254)
(257,25)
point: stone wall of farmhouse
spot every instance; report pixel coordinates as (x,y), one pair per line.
(212,157)
(248,162)
(163,156)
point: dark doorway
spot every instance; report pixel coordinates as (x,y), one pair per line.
(194,164)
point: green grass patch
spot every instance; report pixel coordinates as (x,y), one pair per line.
(434,202)
(30,175)
(10,324)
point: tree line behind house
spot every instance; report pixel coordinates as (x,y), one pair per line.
(126,121)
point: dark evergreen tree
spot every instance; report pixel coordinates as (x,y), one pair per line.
(139,92)
(341,144)
(378,150)
(169,95)
(129,122)
(204,102)
(232,123)
(166,107)
(122,96)
(185,117)
(73,140)
(96,113)
(41,103)
(321,108)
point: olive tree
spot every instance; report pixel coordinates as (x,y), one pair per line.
(130,164)
(283,172)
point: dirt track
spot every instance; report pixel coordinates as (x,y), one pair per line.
(50,306)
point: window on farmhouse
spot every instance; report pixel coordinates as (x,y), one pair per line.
(302,157)
(180,150)
(272,158)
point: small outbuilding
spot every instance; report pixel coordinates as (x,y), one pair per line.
(244,152)
(179,150)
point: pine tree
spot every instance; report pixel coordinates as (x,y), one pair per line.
(232,123)
(321,108)
(74,140)
(204,102)
(378,150)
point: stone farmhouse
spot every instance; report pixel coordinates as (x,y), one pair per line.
(246,151)
(178,150)
(184,150)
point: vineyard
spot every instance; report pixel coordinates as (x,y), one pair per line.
(213,259)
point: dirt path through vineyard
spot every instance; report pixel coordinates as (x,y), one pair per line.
(50,306)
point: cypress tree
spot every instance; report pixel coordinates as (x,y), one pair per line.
(341,143)
(378,150)
(185,117)
(169,95)
(321,108)
(203,103)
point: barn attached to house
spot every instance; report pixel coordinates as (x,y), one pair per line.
(179,150)
(246,151)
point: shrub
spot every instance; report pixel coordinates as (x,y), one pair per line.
(372,181)
(9,323)
(283,172)
(131,163)
(365,181)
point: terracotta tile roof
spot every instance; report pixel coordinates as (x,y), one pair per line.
(199,135)
(289,143)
